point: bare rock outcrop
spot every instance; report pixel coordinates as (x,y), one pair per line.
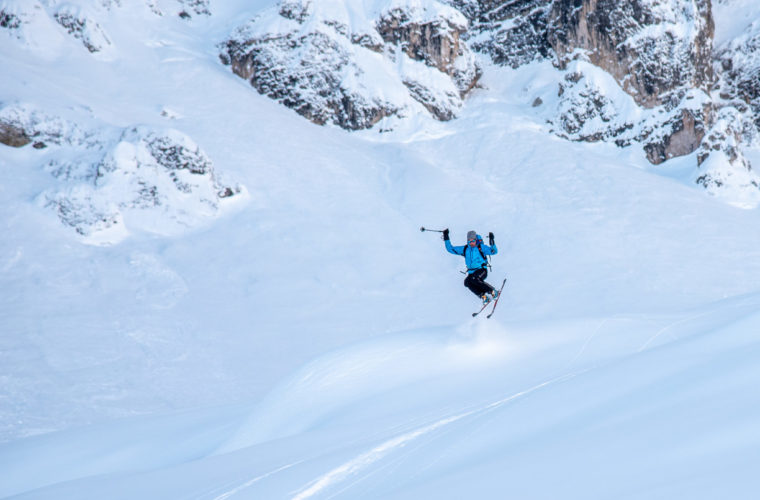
(437,43)
(13,135)
(678,136)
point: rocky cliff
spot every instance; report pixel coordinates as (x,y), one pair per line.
(642,72)
(688,96)
(354,63)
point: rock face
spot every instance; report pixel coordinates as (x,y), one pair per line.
(659,53)
(12,135)
(641,43)
(436,42)
(680,135)
(352,64)
(513,33)
(738,64)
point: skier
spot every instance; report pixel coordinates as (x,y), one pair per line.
(474,253)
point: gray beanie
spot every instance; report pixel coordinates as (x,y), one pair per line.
(471,235)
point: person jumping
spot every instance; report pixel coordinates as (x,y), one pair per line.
(474,253)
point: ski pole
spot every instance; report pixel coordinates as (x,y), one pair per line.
(423,229)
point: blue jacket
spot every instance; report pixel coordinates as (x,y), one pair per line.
(472,256)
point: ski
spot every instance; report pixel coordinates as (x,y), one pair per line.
(493,302)
(496,302)
(481,309)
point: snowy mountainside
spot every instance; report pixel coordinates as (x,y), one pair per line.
(372,64)
(112,179)
(302,338)
(660,53)
(336,63)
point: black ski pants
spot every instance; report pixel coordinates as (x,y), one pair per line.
(476,282)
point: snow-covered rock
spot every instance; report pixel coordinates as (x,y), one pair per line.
(652,48)
(591,106)
(82,26)
(738,63)
(115,180)
(44,26)
(724,170)
(354,63)
(639,72)
(511,33)
(153,180)
(197,7)
(23,123)
(677,132)
(655,51)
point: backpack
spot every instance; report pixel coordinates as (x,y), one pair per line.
(479,242)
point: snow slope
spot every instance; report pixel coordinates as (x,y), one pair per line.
(310,342)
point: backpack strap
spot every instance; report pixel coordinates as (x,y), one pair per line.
(486,260)
(480,249)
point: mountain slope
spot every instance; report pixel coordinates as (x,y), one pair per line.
(309,341)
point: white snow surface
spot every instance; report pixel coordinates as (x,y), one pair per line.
(313,343)
(733,18)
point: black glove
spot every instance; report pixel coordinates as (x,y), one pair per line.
(490,239)
(446,234)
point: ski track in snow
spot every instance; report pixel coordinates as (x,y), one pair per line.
(250,482)
(668,327)
(356,465)
(750,301)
